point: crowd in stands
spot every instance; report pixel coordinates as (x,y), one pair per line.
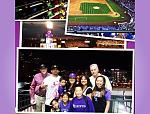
(129,4)
(41,9)
(76,44)
(109,42)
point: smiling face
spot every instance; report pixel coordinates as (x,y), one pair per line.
(83,81)
(55,71)
(100,82)
(78,92)
(63,82)
(94,70)
(55,104)
(72,80)
(65,98)
(43,71)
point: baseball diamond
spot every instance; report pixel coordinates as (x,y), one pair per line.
(94,8)
(101,12)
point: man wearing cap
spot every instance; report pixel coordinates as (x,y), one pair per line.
(37,93)
(95,73)
(52,83)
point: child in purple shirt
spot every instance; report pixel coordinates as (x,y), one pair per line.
(64,104)
(62,88)
(81,103)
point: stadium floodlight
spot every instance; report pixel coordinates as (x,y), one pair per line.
(49,25)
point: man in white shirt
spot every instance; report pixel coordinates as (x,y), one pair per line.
(51,83)
(95,73)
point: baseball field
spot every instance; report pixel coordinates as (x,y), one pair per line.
(99,12)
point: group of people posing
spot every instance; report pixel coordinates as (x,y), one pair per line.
(50,92)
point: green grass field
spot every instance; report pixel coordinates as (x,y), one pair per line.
(88,8)
(93,18)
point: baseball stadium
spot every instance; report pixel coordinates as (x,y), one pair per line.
(102,12)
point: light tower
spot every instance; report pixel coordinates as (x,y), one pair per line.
(49,35)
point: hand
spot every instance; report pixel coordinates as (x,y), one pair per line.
(33,102)
(43,86)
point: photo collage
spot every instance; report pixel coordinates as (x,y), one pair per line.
(75,56)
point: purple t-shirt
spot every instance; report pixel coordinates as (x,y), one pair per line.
(61,90)
(100,102)
(64,108)
(83,104)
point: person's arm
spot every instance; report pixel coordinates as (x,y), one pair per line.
(38,86)
(42,86)
(107,106)
(45,82)
(60,90)
(32,89)
(71,107)
(108,98)
(89,95)
(91,106)
(32,92)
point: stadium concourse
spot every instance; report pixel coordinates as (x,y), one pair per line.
(37,9)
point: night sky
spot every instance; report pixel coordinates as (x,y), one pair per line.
(38,29)
(76,59)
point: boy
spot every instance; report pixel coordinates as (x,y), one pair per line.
(81,103)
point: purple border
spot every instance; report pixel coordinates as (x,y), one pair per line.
(130,45)
(17,33)
(7,57)
(142,58)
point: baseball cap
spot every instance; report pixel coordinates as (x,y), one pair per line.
(43,66)
(72,75)
(54,66)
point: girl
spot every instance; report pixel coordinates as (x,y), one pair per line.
(101,96)
(86,85)
(55,106)
(71,85)
(64,104)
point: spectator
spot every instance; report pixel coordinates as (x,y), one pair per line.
(65,103)
(37,92)
(86,85)
(55,105)
(81,103)
(71,84)
(62,88)
(101,96)
(52,83)
(95,73)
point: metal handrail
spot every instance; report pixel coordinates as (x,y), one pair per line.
(24,103)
